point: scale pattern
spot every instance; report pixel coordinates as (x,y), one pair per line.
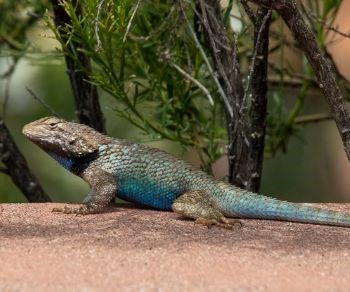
(154,178)
(143,176)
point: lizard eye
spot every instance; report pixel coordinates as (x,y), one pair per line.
(52,125)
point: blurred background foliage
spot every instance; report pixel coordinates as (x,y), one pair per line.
(133,65)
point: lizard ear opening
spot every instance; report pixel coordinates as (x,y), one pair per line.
(81,139)
(82,146)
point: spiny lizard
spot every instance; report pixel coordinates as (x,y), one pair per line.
(154,178)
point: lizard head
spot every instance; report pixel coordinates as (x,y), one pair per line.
(65,139)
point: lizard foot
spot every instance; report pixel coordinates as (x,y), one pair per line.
(227,223)
(200,205)
(82,210)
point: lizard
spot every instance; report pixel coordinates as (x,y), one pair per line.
(154,178)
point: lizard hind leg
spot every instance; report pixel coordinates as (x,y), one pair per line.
(198,205)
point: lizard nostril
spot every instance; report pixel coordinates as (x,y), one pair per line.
(71,141)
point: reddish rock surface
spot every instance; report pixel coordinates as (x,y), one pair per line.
(128,248)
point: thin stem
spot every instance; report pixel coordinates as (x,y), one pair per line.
(96,21)
(130,20)
(42,102)
(211,71)
(195,81)
(315,118)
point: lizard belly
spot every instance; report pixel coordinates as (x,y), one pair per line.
(148,192)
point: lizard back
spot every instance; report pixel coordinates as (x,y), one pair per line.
(144,175)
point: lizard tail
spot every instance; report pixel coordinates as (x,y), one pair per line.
(250,205)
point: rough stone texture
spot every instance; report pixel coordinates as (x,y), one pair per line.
(128,248)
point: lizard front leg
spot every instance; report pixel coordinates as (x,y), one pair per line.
(198,204)
(103,190)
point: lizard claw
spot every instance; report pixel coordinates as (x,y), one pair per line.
(231,221)
(82,210)
(223,222)
(207,222)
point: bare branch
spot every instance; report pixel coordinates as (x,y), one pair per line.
(257,87)
(17,169)
(87,105)
(211,71)
(224,56)
(248,10)
(260,30)
(329,27)
(322,68)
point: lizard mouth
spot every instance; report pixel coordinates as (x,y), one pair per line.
(29,134)
(25,131)
(38,138)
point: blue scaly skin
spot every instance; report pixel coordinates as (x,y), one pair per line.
(154,178)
